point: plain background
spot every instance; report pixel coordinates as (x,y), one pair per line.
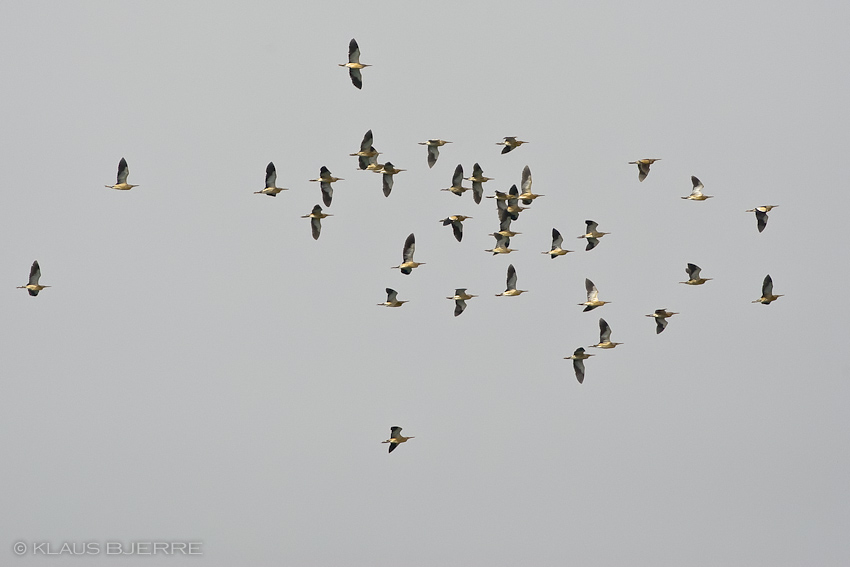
(203,370)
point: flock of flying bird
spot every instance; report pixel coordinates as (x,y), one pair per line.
(508,210)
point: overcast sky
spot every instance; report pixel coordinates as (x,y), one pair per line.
(203,370)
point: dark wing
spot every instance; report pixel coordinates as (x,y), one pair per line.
(460,305)
(409,248)
(387,184)
(557,239)
(327,193)
(457,178)
(767,286)
(477,191)
(366,144)
(511,281)
(761,219)
(660,324)
(271,175)
(353,51)
(457,228)
(316,226)
(506,149)
(123,171)
(35,273)
(393,446)
(356,78)
(578,366)
(433,154)
(604,331)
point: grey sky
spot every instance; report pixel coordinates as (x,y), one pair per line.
(203,370)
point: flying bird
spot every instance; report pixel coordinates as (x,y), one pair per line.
(408,264)
(121,183)
(578,357)
(526,196)
(392,299)
(557,241)
(643,167)
(511,289)
(761,215)
(477,179)
(593,300)
(660,316)
(693,275)
(510,142)
(388,170)
(433,150)
(592,235)
(366,151)
(503,244)
(354,65)
(395,438)
(33,286)
(457,182)
(766,292)
(605,336)
(460,297)
(325,179)
(316,217)
(696,192)
(505,226)
(371,163)
(271,178)
(457,225)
